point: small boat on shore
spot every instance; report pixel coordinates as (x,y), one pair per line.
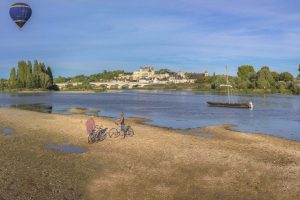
(229,104)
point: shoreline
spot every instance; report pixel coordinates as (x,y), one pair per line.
(230,127)
(257,92)
(185,131)
(143,121)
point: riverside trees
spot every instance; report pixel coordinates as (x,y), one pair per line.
(31,77)
(263,80)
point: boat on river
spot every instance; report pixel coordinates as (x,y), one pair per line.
(230,104)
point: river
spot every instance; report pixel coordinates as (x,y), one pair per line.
(277,115)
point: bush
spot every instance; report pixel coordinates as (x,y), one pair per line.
(296,88)
(53,87)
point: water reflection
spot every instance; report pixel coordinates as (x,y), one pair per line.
(38,107)
(197,133)
(7,131)
(206,135)
(67,148)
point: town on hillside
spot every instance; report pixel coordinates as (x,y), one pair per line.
(144,76)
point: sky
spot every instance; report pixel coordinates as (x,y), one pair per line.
(89,36)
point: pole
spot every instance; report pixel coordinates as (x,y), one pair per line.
(228,90)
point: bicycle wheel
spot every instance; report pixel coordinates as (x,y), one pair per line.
(114,133)
(102,136)
(130,132)
(90,140)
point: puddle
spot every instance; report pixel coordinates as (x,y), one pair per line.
(197,133)
(67,149)
(7,131)
(207,135)
(66,141)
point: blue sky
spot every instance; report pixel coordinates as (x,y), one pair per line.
(88,36)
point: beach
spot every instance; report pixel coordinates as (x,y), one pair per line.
(156,163)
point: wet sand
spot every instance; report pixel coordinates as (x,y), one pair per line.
(156,163)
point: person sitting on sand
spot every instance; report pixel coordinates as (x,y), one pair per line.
(121,122)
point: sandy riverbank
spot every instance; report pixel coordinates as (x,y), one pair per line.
(154,164)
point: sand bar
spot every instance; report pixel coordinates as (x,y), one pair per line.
(156,163)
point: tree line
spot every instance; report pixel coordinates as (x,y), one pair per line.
(38,76)
(103,76)
(31,76)
(248,79)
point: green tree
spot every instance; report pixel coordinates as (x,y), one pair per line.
(3,84)
(21,74)
(286,76)
(27,76)
(104,76)
(45,81)
(295,88)
(163,71)
(79,78)
(203,80)
(29,83)
(252,80)
(245,74)
(245,71)
(281,87)
(35,75)
(299,71)
(265,79)
(12,78)
(242,84)
(49,72)
(217,81)
(61,79)
(42,68)
(276,76)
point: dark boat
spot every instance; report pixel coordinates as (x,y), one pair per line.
(231,105)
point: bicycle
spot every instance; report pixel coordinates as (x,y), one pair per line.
(115,132)
(98,135)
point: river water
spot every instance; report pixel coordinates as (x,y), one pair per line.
(277,115)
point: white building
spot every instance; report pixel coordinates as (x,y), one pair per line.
(147,75)
(181,74)
(206,74)
(144,73)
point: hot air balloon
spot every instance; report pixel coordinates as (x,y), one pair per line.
(20,13)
